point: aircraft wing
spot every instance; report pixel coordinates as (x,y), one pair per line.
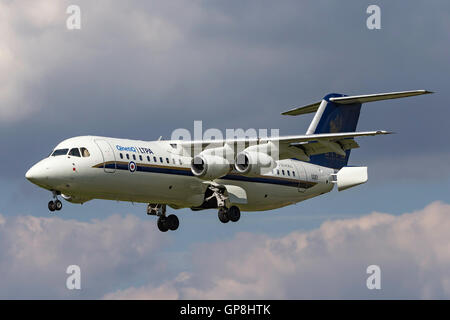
(298,146)
(303,147)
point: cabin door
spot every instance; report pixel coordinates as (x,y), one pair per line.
(109,160)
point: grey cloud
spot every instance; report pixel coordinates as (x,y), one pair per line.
(135,67)
(126,257)
(328,262)
(140,69)
(35,253)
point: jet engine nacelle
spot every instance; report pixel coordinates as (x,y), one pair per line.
(254,163)
(209,167)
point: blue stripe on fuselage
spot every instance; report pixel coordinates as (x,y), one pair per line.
(154,169)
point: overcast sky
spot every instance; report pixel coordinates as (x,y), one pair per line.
(142,69)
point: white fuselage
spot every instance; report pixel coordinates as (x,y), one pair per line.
(155,172)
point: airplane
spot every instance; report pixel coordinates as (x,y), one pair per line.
(266,173)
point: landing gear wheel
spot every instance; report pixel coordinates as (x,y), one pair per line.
(51,206)
(172,222)
(58,205)
(234,213)
(162,224)
(223,216)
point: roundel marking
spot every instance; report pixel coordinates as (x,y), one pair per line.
(132,166)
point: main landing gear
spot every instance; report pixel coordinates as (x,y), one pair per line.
(56,204)
(217,195)
(170,222)
(165,223)
(229,214)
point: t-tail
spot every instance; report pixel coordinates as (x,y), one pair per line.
(340,113)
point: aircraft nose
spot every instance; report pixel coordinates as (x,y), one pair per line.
(35,173)
(47,174)
(29,174)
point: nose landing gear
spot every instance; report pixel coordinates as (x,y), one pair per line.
(56,204)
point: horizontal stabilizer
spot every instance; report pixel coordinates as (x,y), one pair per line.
(310,108)
(377,97)
(355,99)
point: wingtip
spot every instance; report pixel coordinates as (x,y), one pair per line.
(385,132)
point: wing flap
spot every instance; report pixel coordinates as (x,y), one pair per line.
(315,147)
(330,136)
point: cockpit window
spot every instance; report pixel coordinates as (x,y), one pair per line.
(59,152)
(85,152)
(74,152)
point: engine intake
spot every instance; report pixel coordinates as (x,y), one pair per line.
(209,167)
(254,163)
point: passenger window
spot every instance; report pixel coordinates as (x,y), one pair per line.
(293,173)
(134,157)
(160,159)
(278,172)
(121,156)
(282,171)
(167,160)
(74,152)
(148,158)
(140,157)
(179,161)
(128,156)
(84,152)
(289,173)
(154,159)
